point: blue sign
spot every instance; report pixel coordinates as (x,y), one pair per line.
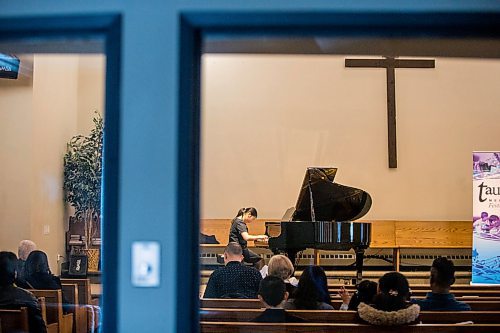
(9,66)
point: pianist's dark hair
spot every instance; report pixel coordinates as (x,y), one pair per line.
(250,210)
(312,289)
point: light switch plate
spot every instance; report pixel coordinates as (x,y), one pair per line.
(146,264)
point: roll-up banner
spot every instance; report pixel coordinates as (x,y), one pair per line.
(486,222)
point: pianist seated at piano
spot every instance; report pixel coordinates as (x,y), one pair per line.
(312,292)
(239,234)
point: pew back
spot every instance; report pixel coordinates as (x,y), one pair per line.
(84,292)
(53,302)
(328,316)
(86,312)
(477,304)
(247,327)
(14,320)
(70,291)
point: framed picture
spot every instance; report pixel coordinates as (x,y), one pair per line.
(78,265)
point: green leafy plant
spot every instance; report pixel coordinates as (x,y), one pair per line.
(82,178)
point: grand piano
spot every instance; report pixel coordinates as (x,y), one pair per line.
(322,219)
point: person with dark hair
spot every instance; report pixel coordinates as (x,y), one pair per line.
(365,291)
(312,291)
(234,280)
(238,233)
(37,275)
(12,297)
(441,279)
(390,306)
(273,294)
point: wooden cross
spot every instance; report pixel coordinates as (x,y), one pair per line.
(390,63)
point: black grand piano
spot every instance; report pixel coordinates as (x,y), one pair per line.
(322,219)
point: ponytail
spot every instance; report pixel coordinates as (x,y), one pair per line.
(250,210)
(240,212)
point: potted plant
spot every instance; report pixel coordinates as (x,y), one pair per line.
(82,184)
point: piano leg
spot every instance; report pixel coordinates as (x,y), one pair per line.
(292,254)
(359,264)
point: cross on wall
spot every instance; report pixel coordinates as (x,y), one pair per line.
(390,64)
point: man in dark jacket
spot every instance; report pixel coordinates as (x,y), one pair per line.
(273,295)
(12,297)
(234,280)
(440,299)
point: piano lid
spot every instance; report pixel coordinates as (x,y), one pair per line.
(320,199)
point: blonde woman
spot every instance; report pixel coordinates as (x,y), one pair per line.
(280,266)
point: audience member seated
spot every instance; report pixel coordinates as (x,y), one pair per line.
(12,297)
(280,266)
(390,306)
(234,280)
(312,291)
(365,291)
(23,251)
(37,275)
(440,299)
(273,294)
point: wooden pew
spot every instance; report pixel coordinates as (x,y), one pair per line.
(329,316)
(84,291)
(461,291)
(476,304)
(53,301)
(426,287)
(70,290)
(484,305)
(43,309)
(89,318)
(52,327)
(230,303)
(14,321)
(246,327)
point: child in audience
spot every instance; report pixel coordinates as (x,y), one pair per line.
(365,291)
(312,291)
(37,275)
(273,294)
(280,266)
(390,306)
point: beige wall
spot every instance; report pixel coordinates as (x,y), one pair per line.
(58,105)
(265,118)
(91,70)
(15,162)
